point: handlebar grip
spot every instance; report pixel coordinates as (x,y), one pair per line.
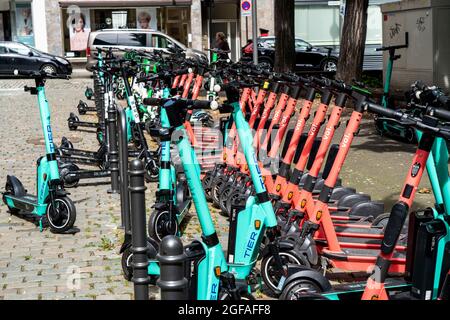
(200,104)
(439,113)
(383,111)
(154,101)
(445,134)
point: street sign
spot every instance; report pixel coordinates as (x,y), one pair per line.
(246,8)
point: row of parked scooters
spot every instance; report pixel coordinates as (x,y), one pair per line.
(270,172)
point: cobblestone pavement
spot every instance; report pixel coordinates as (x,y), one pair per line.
(35,265)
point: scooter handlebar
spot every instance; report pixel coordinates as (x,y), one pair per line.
(383,111)
(439,113)
(191,104)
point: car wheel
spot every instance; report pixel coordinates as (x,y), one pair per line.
(329,65)
(48,68)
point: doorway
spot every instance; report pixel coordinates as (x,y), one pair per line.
(230,28)
(5,26)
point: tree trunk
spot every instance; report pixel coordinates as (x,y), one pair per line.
(353,40)
(285,35)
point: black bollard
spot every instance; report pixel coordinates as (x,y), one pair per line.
(172,260)
(139,239)
(123,167)
(113,151)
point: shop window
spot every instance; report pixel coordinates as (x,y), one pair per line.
(176,23)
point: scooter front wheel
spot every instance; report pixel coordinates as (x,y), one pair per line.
(302,289)
(245,296)
(61,214)
(205,183)
(71,122)
(271,275)
(127,259)
(64,170)
(82,108)
(215,191)
(225,194)
(151,172)
(161,224)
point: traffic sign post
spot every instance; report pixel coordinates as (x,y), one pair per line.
(246,8)
(255,32)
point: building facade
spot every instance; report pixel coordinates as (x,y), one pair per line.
(49,25)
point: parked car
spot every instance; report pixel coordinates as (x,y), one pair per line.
(148,40)
(16,55)
(307,58)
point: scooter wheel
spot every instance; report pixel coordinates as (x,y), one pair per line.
(127,259)
(151,173)
(64,170)
(235,195)
(271,275)
(10,190)
(160,225)
(215,191)
(205,182)
(82,107)
(245,296)
(71,122)
(66,143)
(381,221)
(302,289)
(61,214)
(410,135)
(224,196)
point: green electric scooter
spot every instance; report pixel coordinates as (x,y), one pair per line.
(50,206)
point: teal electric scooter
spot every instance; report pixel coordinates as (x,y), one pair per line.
(216,276)
(386,126)
(50,206)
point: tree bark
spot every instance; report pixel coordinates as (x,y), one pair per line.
(353,41)
(285,35)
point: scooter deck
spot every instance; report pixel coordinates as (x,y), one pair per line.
(28,198)
(28,203)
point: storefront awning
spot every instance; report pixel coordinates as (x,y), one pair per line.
(121,3)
